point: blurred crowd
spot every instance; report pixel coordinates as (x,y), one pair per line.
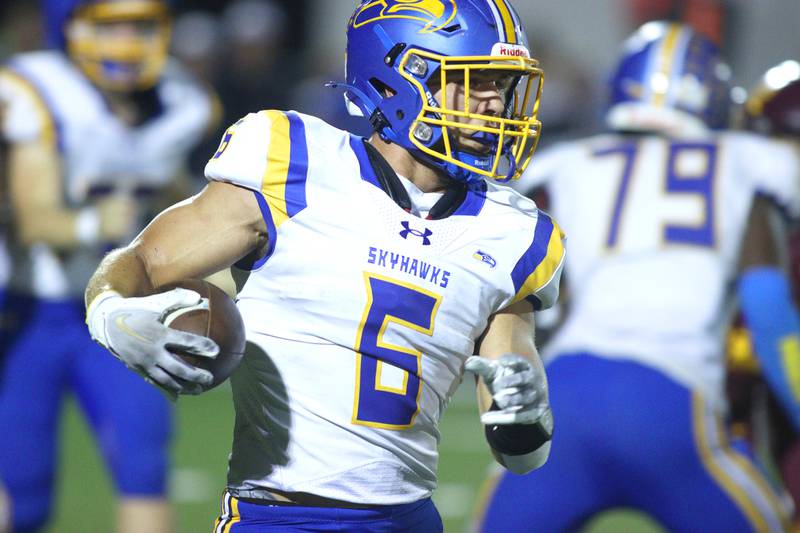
(256,54)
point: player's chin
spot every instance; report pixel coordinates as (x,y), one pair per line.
(474,147)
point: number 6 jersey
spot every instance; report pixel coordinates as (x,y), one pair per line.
(656,228)
(359,314)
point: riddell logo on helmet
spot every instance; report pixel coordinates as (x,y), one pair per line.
(510,50)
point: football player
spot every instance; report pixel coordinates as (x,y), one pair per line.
(375,269)
(96,127)
(656,211)
(773,108)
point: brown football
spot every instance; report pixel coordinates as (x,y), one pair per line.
(215,317)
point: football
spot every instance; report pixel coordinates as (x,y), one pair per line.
(215,317)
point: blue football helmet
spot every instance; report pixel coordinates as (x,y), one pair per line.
(669,79)
(400,52)
(121,45)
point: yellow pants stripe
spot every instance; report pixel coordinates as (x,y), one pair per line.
(734,473)
(485,495)
(230,514)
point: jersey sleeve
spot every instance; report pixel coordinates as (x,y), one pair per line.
(773,168)
(537,274)
(24,115)
(266,152)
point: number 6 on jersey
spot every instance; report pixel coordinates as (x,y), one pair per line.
(395,405)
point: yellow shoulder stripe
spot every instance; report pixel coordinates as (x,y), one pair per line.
(548,266)
(273,184)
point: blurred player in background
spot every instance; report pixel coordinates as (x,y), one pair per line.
(656,212)
(376,269)
(97,129)
(5,326)
(771,415)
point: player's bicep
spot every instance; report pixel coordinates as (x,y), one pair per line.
(202,235)
(36,194)
(33,160)
(34,176)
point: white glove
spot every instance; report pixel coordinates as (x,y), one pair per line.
(133,330)
(518,389)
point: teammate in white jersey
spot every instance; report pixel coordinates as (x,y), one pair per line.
(656,212)
(95,130)
(376,269)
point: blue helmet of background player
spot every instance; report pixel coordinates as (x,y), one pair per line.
(121,45)
(773,107)
(669,79)
(400,52)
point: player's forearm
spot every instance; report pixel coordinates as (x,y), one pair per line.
(36,195)
(59,228)
(774,323)
(520,448)
(520,438)
(122,271)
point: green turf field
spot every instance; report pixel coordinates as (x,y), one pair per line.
(200,452)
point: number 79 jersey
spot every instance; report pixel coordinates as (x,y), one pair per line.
(359,314)
(656,228)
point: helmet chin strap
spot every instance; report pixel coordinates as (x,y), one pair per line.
(511,171)
(512,163)
(482,136)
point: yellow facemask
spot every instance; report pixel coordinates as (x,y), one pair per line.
(120,45)
(514,135)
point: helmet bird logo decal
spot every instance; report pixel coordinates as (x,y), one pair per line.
(436,14)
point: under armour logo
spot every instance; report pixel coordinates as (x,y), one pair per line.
(421,234)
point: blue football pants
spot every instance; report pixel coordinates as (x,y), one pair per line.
(626,435)
(52,354)
(242,517)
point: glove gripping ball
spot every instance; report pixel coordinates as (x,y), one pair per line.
(215,317)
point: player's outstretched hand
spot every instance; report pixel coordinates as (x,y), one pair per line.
(518,389)
(133,330)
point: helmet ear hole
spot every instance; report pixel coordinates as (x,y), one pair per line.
(383,89)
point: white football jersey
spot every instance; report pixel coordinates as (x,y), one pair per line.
(44,96)
(655,232)
(360,315)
